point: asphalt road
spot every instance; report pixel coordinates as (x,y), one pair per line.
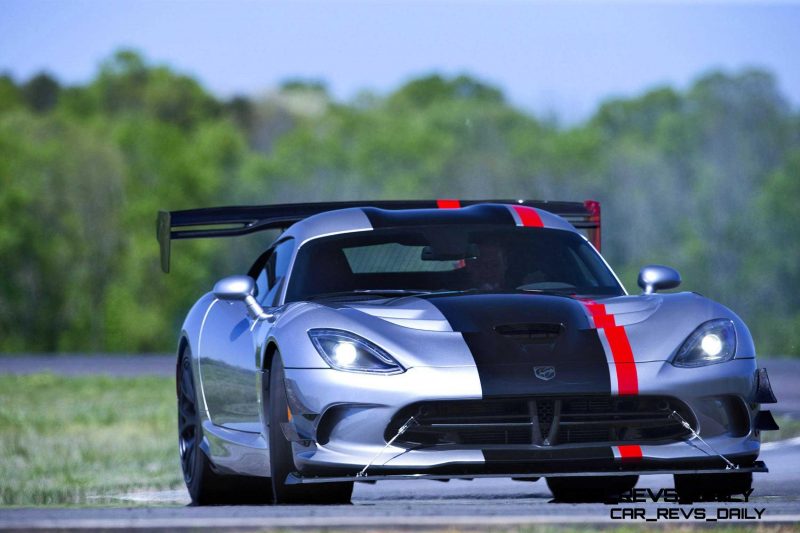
(120,365)
(468,505)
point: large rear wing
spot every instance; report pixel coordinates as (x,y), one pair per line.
(243,220)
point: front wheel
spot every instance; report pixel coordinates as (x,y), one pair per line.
(205,486)
(590,488)
(281,457)
(694,487)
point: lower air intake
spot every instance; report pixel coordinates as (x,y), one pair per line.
(542,421)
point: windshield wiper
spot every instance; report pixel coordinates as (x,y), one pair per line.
(385,293)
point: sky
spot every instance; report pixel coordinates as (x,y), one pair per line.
(555,58)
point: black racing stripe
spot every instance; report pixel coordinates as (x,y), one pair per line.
(597,453)
(506,362)
(476,214)
(541,460)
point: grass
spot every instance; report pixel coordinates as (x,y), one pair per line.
(789,428)
(84,440)
(81,440)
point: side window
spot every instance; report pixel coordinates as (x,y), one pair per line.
(274,273)
(261,284)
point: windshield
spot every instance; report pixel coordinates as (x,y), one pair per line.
(450,258)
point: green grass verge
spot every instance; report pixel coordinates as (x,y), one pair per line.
(789,428)
(80,440)
(84,440)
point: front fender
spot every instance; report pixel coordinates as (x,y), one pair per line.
(409,346)
(660,335)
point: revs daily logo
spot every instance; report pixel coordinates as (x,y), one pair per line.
(545,373)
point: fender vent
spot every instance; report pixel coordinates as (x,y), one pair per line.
(533,333)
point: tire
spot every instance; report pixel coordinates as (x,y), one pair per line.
(282,458)
(694,487)
(590,488)
(205,486)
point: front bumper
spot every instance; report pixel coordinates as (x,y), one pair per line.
(340,421)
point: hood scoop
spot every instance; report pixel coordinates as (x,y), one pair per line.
(531,333)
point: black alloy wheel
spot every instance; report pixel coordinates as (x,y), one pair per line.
(188,422)
(205,485)
(590,488)
(282,457)
(711,487)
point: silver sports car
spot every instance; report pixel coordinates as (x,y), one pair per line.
(446,339)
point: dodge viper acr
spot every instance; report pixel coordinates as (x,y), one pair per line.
(447,339)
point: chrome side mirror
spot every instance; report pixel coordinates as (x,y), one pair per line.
(240,288)
(234,288)
(653,278)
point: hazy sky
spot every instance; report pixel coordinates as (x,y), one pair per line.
(547,57)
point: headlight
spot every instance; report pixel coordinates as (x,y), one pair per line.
(713,342)
(347,351)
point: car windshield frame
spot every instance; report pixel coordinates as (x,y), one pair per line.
(573,242)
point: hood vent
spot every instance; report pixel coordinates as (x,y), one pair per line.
(531,333)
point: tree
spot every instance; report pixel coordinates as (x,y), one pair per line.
(425,91)
(60,200)
(41,92)
(10,94)
(704,179)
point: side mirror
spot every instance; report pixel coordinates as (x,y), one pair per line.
(234,288)
(240,288)
(653,278)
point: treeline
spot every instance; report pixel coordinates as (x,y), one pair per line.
(705,179)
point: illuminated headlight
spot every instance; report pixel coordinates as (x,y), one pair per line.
(713,342)
(347,351)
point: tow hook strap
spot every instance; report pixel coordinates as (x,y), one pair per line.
(684,423)
(410,422)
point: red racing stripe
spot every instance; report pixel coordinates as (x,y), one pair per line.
(528,216)
(630,452)
(624,364)
(627,377)
(448,204)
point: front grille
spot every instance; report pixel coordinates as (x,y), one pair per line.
(542,421)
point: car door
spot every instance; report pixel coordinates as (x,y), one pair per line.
(228,346)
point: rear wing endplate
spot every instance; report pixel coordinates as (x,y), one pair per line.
(242,220)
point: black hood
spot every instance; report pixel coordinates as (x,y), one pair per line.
(511,334)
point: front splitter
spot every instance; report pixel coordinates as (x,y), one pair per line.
(756,467)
